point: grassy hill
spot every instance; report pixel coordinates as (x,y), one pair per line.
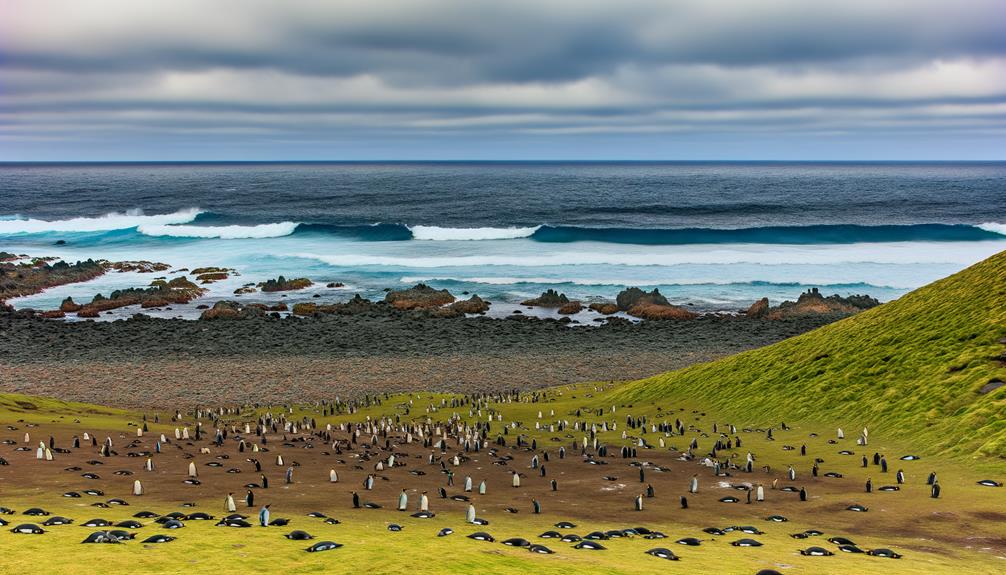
(912,368)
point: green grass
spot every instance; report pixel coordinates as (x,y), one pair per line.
(910,368)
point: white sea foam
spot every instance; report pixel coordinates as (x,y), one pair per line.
(276,230)
(434,233)
(960,253)
(993,227)
(107,222)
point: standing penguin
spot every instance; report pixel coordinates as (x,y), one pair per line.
(516,479)
(333,477)
(482,487)
(935,491)
(535,506)
(289,474)
(229,503)
(263,516)
(760,493)
(791,473)
(684,502)
(468,483)
(403,501)
(192,469)
(693,485)
(356,500)
(803,494)
(869,485)
(137,487)
(555,486)
(250,498)
(639,502)
(900,476)
(424,502)
(470,514)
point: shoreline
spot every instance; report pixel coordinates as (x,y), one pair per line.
(140,362)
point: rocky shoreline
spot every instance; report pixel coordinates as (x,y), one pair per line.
(415,338)
(146,361)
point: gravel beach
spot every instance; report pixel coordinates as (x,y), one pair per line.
(157,362)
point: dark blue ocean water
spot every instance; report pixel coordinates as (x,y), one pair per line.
(716,235)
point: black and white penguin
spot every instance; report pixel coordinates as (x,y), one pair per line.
(816,552)
(884,553)
(746,543)
(517,542)
(28,529)
(857,508)
(662,553)
(101,537)
(445,532)
(541,549)
(591,545)
(481,536)
(298,535)
(56,520)
(159,538)
(689,541)
(323,546)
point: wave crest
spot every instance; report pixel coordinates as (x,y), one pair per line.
(105,223)
(434,233)
(993,227)
(275,230)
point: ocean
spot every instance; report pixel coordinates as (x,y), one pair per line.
(711,235)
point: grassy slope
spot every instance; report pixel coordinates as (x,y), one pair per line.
(911,368)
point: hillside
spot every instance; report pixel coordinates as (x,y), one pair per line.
(912,368)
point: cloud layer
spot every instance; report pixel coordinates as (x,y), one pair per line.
(454,78)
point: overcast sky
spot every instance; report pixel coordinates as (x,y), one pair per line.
(465,79)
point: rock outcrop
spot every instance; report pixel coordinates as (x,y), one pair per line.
(161,293)
(604,308)
(421,296)
(548,299)
(758,309)
(571,308)
(654,311)
(650,305)
(27,278)
(474,304)
(283,284)
(629,298)
(811,302)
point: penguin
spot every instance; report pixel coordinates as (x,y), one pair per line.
(662,553)
(482,536)
(541,549)
(746,543)
(56,520)
(323,546)
(445,532)
(517,542)
(298,535)
(857,508)
(591,545)
(816,552)
(689,541)
(990,483)
(884,553)
(571,538)
(935,490)
(28,529)
(159,538)
(100,537)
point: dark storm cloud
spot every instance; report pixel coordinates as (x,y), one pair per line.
(449,66)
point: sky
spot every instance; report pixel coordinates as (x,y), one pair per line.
(503,80)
